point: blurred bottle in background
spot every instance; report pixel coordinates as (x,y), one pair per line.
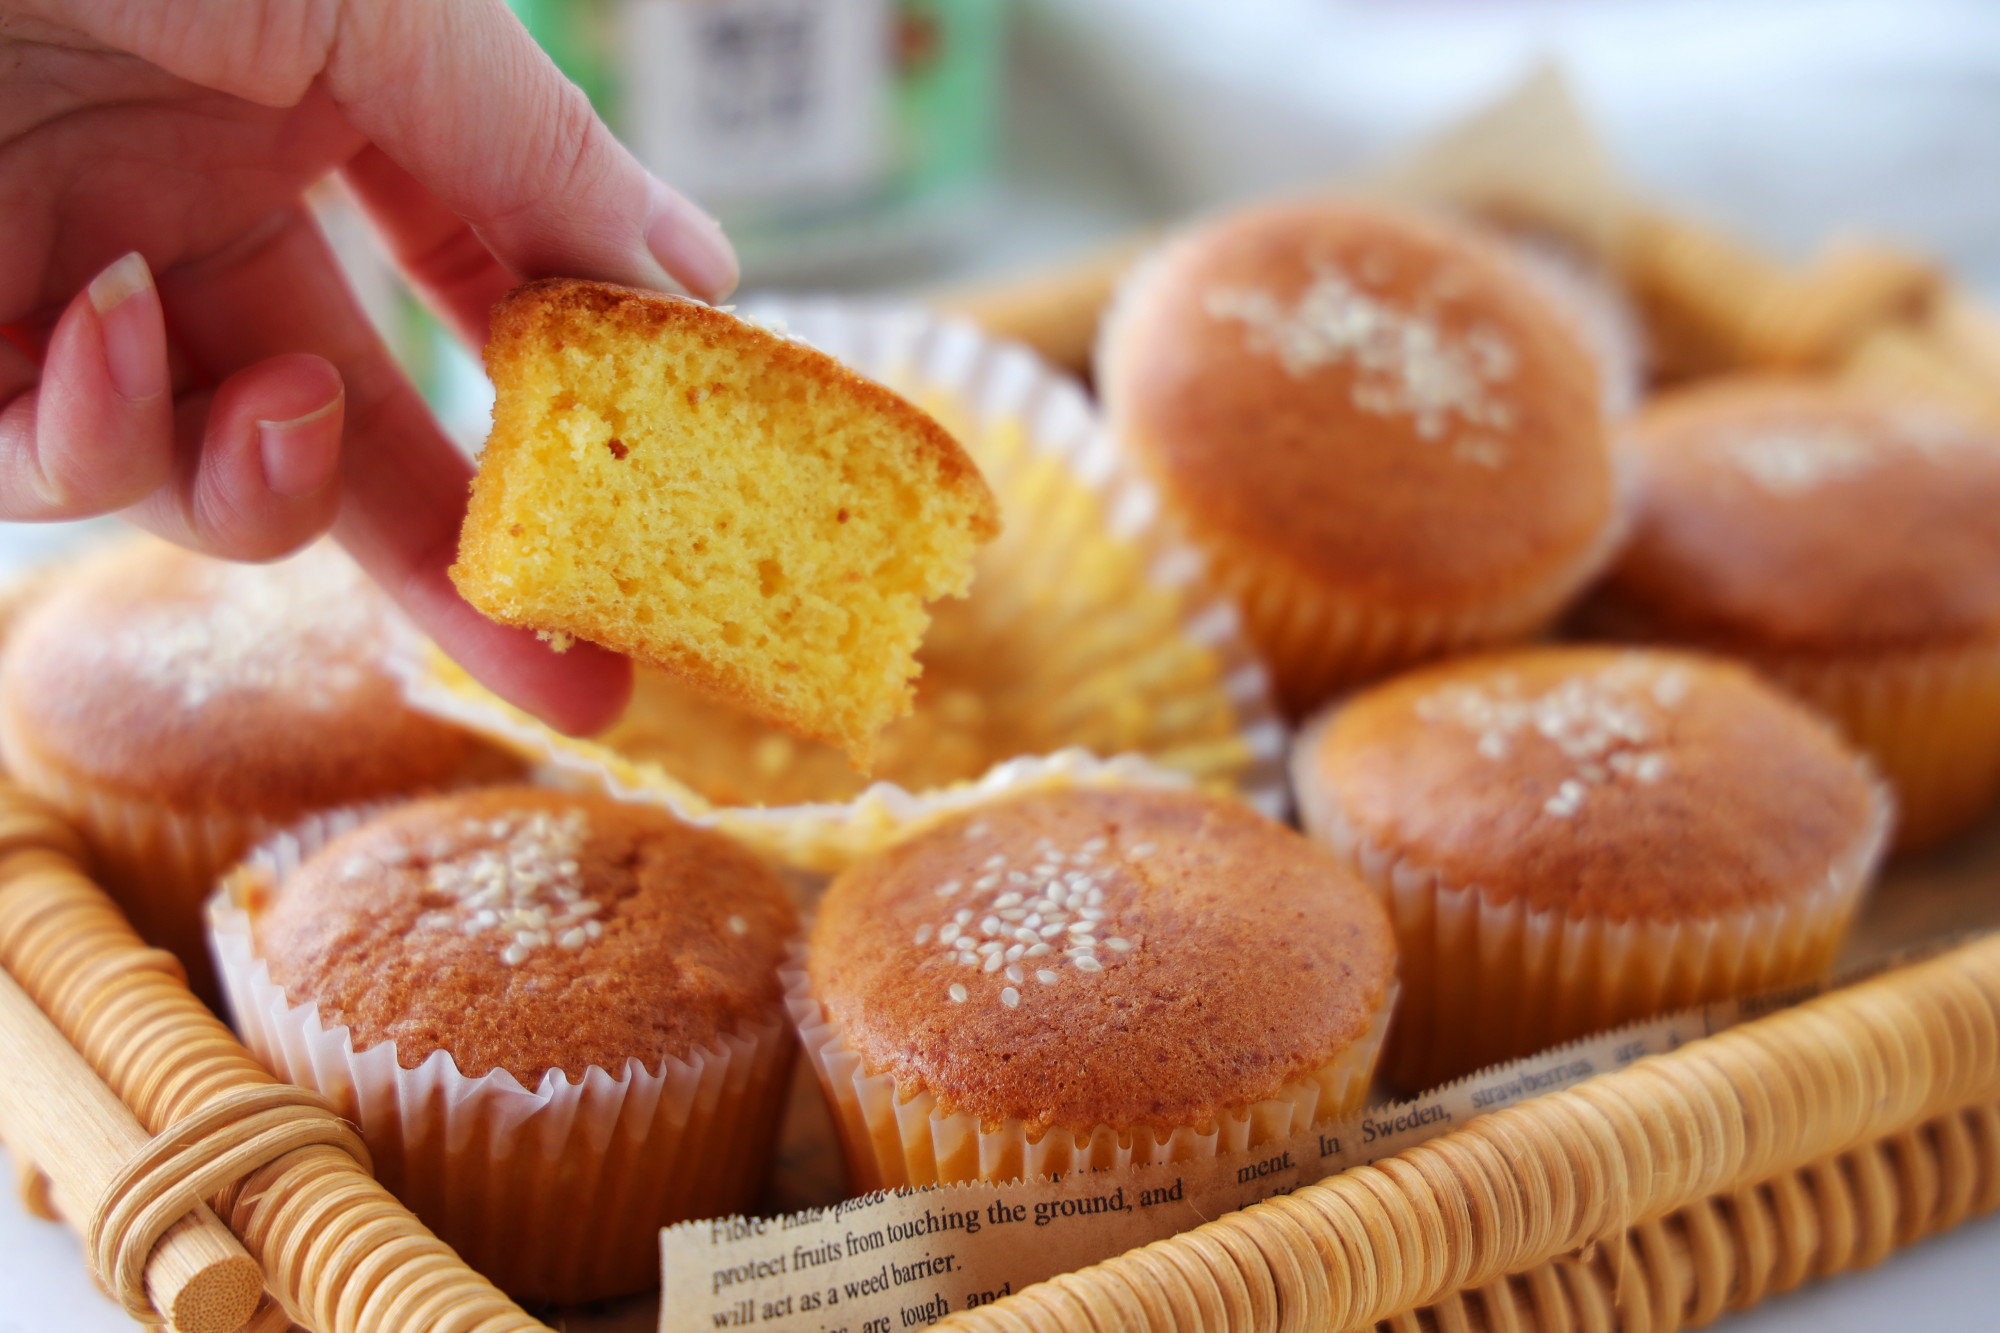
(839,141)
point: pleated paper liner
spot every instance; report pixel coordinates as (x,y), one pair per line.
(1930,720)
(1084,654)
(894,1136)
(555,1192)
(1485,982)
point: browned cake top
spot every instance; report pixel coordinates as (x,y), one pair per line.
(524,930)
(258,689)
(1187,956)
(1381,399)
(1603,782)
(1797,516)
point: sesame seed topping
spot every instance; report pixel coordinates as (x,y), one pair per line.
(1605,723)
(297,629)
(1139,851)
(1059,916)
(948,888)
(1403,361)
(1118,943)
(738,926)
(527,887)
(957,993)
(1795,459)
(1009,996)
(976,829)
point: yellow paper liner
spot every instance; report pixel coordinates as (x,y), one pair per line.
(555,1193)
(1086,653)
(1485,982)
(1930,721)
(895,1135)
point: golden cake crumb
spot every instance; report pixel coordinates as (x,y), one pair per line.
(732,506)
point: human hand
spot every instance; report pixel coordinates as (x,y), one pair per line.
(218,383)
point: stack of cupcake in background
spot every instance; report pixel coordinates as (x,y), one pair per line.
(564,1018)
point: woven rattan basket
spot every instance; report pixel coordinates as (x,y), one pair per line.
(1814,1140)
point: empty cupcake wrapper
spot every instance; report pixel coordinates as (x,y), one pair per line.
(1148,681)
(1484,981)
(893,1136)
(556,1192)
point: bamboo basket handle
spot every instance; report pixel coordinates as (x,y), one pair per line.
(309,1215)
(165,1258)
(1569,1173)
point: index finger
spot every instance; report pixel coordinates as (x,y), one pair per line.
(460,97)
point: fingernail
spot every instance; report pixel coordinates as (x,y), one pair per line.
(301,455)
(135,340)
(689,244)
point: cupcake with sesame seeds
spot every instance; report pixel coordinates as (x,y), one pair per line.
(1572,838)
(1390,445)
(1090,979)
(556,1018)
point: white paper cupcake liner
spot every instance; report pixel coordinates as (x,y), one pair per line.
(1485,981)
(1207,665)
(1930,720)
(895,1136)
(556,1192)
